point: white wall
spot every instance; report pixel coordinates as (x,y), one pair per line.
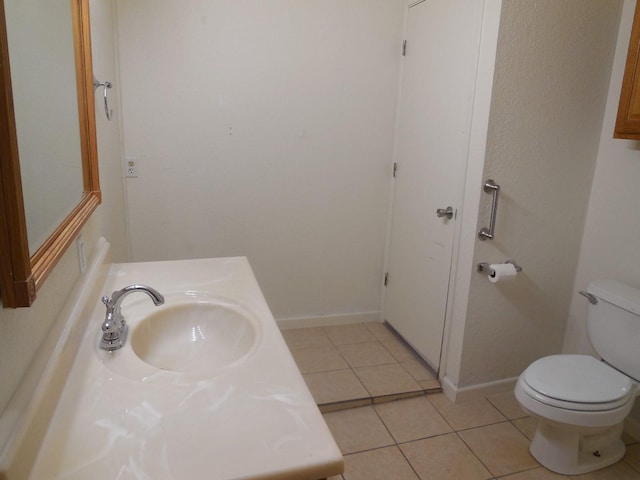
(552,71)
(612,231)
(301,183)
(109,133)
(264,129)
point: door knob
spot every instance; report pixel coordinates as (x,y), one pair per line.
(445,212)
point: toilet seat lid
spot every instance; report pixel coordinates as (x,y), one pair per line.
(577,378)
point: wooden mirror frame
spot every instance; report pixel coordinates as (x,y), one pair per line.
(21,275)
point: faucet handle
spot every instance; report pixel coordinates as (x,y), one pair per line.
(106,300)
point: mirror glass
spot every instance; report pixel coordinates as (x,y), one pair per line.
(48,144)
(45,99)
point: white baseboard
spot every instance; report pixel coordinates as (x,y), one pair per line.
(327,320)
(464,394)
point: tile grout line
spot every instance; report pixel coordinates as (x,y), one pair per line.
(422,390)
(474,454)
(335,346)
(455,432)
(506,420)
(396,444)
(493,476)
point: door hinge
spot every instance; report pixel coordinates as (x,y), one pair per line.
(404,48)
(395,169)
(386,278)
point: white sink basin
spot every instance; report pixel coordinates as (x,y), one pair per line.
(193,336)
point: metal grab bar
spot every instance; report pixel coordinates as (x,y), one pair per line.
(107,85)
(490,187)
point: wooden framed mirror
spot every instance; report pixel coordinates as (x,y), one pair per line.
(22,272)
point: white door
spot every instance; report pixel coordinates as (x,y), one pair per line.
(431,153)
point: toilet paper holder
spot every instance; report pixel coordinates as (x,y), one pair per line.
(485,267)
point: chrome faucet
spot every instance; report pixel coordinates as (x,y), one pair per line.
(114,327)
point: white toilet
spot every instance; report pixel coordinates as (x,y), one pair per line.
(581,402)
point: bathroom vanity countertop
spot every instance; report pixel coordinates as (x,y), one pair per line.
(119,418)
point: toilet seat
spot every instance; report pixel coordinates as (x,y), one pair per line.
(576,382)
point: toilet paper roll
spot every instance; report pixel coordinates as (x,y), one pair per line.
(502,272)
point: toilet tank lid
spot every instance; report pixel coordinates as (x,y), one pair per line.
(617,293)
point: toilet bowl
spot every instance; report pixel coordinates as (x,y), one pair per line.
(581,402)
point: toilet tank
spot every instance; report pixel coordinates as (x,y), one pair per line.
(613,325)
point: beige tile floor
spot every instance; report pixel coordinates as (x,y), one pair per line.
(429,438)
(361,364)
(423,436)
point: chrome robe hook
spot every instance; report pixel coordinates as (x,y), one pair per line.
(106,85)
